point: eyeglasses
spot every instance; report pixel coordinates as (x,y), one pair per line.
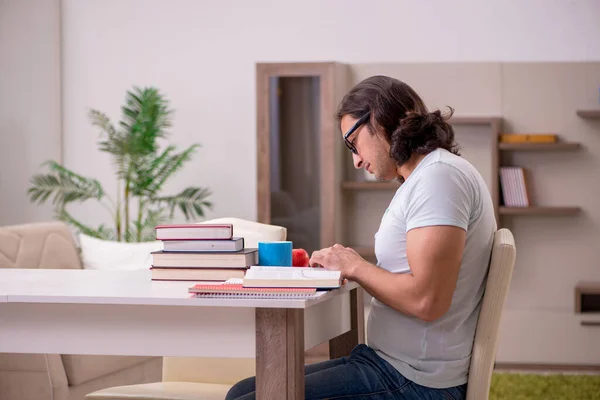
(357,125)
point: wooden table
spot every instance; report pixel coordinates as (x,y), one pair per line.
(125,313)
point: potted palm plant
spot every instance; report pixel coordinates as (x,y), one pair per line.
(142,168)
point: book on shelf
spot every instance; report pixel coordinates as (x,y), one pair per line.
(194,231)
(528,138)
(196,274)
(513,184)
(208,245)
(243,258)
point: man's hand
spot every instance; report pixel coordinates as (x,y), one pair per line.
(338,258)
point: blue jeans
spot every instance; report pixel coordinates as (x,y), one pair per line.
(360,376)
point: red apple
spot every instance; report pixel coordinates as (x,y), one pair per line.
(300,258)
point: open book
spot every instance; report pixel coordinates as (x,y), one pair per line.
(292,277)
(268,282)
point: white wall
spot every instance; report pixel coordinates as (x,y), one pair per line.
(202,54)
(29,102)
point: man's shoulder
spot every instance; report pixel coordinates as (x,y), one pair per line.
(443,164)
(443,174)
(448,158)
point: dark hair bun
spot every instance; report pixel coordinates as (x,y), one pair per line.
(421,133)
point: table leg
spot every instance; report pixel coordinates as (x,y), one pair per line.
(279,354)
(342,345)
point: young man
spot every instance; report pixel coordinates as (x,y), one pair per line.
(433,248)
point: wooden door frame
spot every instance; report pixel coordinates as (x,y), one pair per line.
(328,190)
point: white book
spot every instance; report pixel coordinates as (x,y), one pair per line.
(514,181)
(522,187)
(509,187)
(234,244)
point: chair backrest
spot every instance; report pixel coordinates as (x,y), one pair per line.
(43,245)
(223,370)
(502,263)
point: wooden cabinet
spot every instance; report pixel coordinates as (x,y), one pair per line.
(299,150)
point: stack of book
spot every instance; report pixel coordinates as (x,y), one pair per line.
(201,252)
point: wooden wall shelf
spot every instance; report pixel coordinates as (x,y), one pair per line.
(592,114)
(475,120)
(565,146)
(365,185)
(539,210)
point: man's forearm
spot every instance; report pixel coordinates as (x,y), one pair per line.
(398,291)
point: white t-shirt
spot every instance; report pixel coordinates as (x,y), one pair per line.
(444,189)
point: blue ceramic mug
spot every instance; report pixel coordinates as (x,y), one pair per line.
(275,254)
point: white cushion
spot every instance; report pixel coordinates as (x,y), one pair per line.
(111,255)
(84,368)
(224,371)
(163,391)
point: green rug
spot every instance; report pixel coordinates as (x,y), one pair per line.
(512,386)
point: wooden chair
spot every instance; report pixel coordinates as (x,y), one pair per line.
(483,356)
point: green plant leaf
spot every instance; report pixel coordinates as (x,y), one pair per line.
(146,170)
(153,218)
(102,232)
(146,118)
(102,121)
(65,185)
(149,179)
(129,235)
(115,142)
(191,202)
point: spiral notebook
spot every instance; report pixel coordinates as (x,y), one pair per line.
(233,288)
